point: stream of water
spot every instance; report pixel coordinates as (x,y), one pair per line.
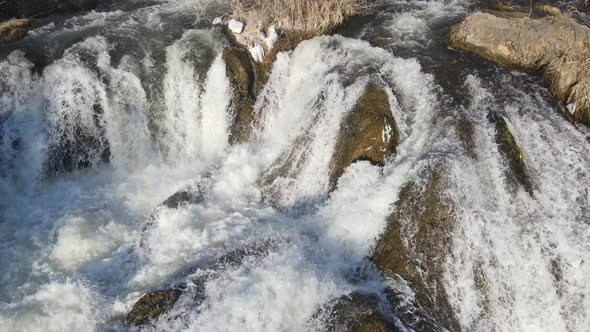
(104,115)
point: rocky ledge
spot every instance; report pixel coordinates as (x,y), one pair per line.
(555,45)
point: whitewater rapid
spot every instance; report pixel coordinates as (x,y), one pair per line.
(132,105)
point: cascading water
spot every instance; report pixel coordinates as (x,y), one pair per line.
(103,116)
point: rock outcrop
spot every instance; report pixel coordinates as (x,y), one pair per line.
(241,74)
(414,247)
(557,46)
(151,306)
(14,29)
(356,312)
(368,132)
(155,304)
(512,153)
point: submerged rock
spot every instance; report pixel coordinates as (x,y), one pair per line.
(356,312)
(511,151)
(241,75)
(152,305)
(414,247)
(368,132)
(557,46)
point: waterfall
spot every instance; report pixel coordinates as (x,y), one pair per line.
(106,116)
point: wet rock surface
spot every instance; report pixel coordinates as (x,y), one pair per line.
(357,312)
(511,152)
(155,304)
(416,242)
(555,45)
(367,133)
(15,29)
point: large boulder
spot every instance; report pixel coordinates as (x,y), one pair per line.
(556,45)
(368,132)
(414,247)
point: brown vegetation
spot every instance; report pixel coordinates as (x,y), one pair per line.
(309,17)
(14,29)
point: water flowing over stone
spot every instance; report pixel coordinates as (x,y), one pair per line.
(153,177)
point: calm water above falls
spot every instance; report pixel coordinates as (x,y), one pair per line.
(104,115)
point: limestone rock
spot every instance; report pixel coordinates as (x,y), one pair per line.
(367,133)
(557,46)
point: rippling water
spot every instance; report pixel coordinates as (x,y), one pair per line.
(104,115)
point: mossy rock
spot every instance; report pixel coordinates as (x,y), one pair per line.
(416,242)
(368,132)
(240,72)
(152,305)
(356,312)
(511,152)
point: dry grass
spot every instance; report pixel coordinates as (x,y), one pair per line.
(14,28)
(304,17)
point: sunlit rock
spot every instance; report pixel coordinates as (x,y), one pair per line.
(556,45)
(356,312)
(235,26)
(367,133)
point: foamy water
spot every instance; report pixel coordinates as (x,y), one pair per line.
(84,236)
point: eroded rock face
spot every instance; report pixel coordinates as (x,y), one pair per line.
(511,152)
(356,312)
(415,244)
(152,305)
(556,45)
(242,78)
(367,133)
(37,8)
(155,304)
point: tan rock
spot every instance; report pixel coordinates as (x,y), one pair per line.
(415,244)
(557,46)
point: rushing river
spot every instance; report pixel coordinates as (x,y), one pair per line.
(104,115)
